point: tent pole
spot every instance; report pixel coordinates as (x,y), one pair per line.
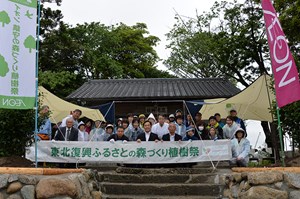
(282,155)
(37,82)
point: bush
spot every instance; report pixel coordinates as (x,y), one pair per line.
(16,131)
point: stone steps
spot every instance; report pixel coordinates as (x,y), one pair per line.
(162,183)
(165,189)
(199,170)
(159,178)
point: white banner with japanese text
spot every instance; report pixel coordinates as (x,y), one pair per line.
(131,152)
(18,24)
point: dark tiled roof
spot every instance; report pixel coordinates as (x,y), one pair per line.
(159,89)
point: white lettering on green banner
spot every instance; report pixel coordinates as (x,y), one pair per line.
(131,152)
(17,53)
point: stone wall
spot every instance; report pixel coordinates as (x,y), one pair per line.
(67,186)
(265,185)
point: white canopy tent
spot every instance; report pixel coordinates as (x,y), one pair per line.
(252,103)
(60,108)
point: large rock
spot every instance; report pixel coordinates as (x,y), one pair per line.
(84,186)
(28,179)
(96,195)
(14,196)
(3,180)
(52,187)
(75,180)
(292,180)
(264,192)
(28,192)
(14,187)
(227,193)
(235,190)
(237,177)
(13,178)
(295,195)
(259,178)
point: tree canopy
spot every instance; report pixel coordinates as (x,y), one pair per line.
(228,41)
(96,51)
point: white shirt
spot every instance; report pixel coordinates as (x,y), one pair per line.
(64,122)
(172,137)
(160,130)
(83,136)
(147,135)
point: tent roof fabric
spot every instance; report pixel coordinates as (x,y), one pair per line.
(251,103)
(61,109)
(155,88)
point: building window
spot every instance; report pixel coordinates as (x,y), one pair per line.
(157,110)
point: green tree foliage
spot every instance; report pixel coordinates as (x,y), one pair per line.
(17,126)
(93,51)
(234,48)
(60,79)
(4,18)
(16,131)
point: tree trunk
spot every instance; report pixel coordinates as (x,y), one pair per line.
(272,138)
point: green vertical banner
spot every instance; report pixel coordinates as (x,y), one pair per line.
(17,53)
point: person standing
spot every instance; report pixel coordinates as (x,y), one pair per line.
(45,130)
(219,119)
(238,120)
(132,134)
(161,127)
(82,134)
(96,132)
(212,135)
(75,115)
(142,120)
(147,135)
(213,123)
(180,127)
(230,128)
(171,136)
(109,130)
(118,136)
(190,134)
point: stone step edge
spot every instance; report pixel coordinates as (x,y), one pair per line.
(159,184)
(159,174)
(112,196)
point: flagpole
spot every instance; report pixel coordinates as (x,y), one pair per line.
(37,81)
(282,155)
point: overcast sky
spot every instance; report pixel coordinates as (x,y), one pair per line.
(157,14)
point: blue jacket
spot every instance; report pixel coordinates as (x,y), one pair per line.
(187,138)
(182,131)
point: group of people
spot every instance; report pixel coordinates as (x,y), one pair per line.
(174,127)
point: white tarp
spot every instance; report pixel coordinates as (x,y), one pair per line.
(252,103)
(131,152)
(60,108)
(17,53)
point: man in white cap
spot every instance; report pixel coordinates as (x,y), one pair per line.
(172,118)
